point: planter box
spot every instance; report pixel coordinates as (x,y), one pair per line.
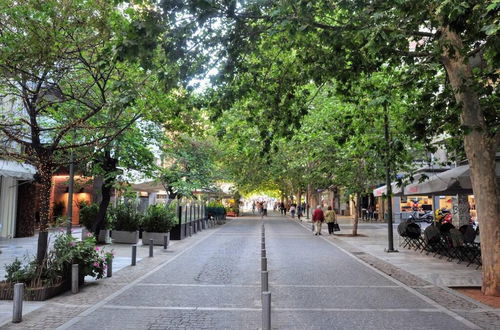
(85,233)
(33,294)
(157,238)
(104,236)
(127,237)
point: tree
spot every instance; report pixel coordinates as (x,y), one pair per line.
(69,91)
(342,39)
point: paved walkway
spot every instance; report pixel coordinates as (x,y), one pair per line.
(432,269)
(212,281)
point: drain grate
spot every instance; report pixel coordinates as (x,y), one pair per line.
(358,253)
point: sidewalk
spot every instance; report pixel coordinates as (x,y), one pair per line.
(373,241)
(26,247)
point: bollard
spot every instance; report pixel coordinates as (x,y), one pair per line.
(263,263)
(263,253)
(17,312)
(74,278)
(266,310)
(134,254)
(165,242)
(190,230)
(151,246)
(109,267)
(264,279)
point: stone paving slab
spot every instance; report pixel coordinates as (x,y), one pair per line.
(199,296)
(358,319)
(346,298)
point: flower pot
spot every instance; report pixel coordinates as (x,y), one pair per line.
(157,238)
(104,236)
(126,237)
(85,233)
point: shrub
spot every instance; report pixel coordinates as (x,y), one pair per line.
(90,258)
(57,265)
(88,214)
(158,219)
(124,217)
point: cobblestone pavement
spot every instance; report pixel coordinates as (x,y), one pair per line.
(212,281)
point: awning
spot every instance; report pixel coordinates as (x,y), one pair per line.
(148,186)
(16,170)
(380,191)
(451,182)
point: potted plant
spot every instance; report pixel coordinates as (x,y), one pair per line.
(157,222)
(88,214)
(125,220)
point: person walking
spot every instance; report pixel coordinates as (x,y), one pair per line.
(299,211)
(331,219)
(253,207)
(292,210)
(318,218)
(264,209)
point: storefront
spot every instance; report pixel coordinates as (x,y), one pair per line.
(11,175)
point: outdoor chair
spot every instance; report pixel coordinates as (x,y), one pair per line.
(432,238)
(471,249)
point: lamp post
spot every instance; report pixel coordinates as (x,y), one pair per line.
(388,182)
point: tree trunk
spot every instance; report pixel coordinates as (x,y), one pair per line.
(356,215)
(480,147)
(109,165)
(45,177)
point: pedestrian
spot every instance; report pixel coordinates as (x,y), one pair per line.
(253,207)
(264,209)
(331,219)
(292,210)
(318,218)
(299,211)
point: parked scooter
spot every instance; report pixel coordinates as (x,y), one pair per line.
(421,216)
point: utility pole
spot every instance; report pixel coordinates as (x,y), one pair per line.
(388,181)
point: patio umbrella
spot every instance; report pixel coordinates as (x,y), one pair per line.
(396,191)
(451,182)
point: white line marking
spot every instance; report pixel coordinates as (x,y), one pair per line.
(276,309)
(258,286)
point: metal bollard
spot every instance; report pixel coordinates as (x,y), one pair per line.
(264,279)
(263,263)
(190,230)
(109,267)
(165,242)
(151,247)
(263,253)
(134,254)
(266,310)
(17,303)
(74,278)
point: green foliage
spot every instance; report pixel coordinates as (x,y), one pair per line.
(90,258)
(56,267)
(215,208)
(16,272)
(88,214)
(159,219)
(125,217)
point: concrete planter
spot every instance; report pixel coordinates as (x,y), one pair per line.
(126,237)
(104,236)
(157,238)
(85,233)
